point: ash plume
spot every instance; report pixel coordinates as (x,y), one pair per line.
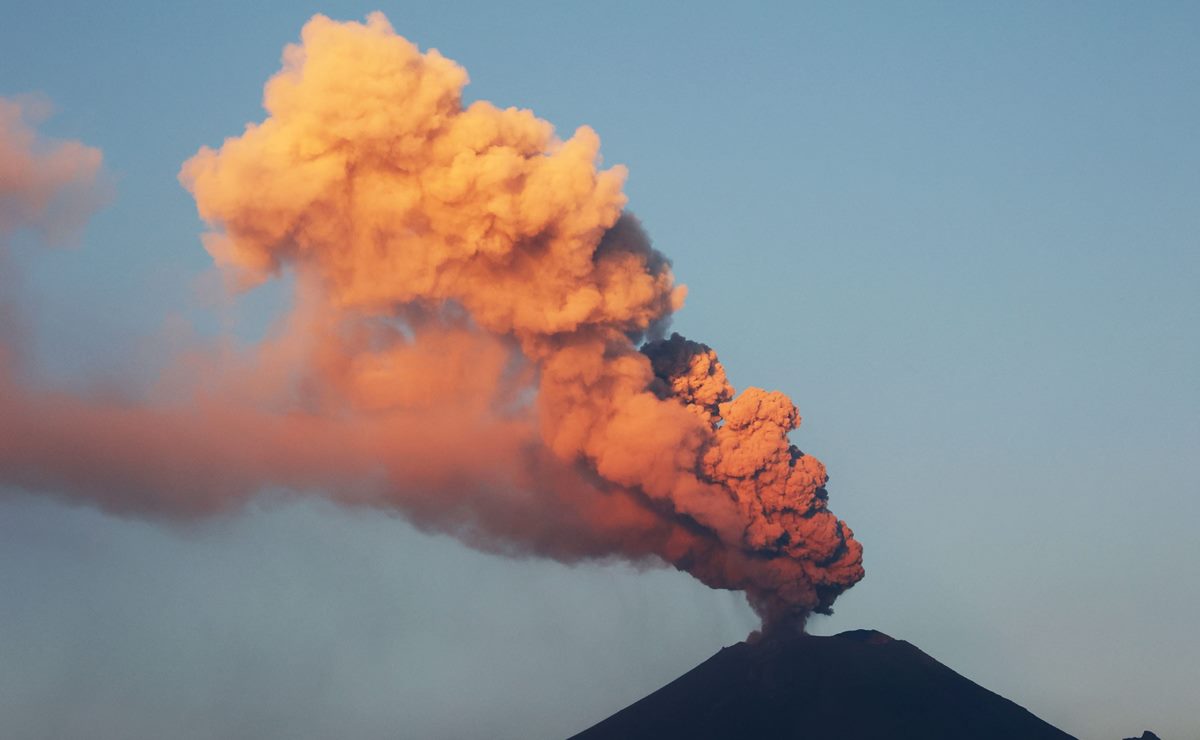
(474,342)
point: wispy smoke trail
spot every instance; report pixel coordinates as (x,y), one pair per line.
(465,347)
(50,187)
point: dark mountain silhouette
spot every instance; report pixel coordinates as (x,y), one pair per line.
(855,685)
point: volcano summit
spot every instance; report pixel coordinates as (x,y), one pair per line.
(852,686)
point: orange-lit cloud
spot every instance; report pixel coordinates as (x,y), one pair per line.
(465,347)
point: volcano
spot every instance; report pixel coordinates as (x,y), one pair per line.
(857,684)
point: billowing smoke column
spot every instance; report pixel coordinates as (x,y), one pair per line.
(370,176)
(464,346)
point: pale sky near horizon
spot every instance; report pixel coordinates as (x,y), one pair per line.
(965,240)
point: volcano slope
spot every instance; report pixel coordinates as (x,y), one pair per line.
(858,684)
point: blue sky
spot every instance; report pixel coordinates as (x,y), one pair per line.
(963,239)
